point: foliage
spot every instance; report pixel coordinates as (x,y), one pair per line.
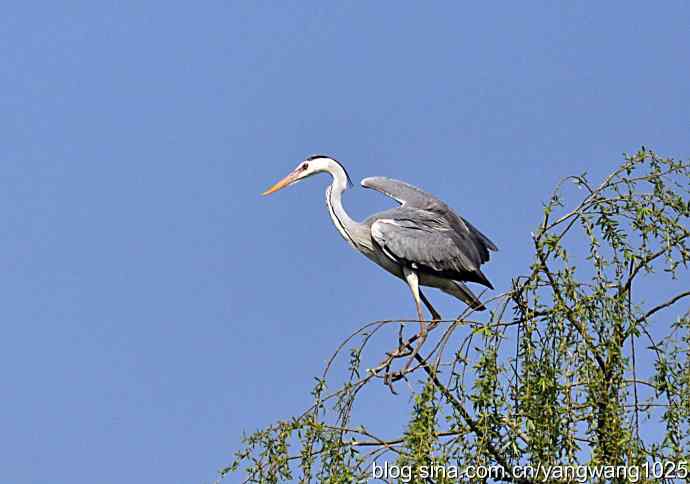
(565,370)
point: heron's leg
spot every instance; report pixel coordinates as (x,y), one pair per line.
(413,281)
(434,314)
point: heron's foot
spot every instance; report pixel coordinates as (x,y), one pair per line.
(392,378)
(405,349)
(421,338)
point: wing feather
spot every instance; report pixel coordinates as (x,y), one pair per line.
(469,239)
(426,241)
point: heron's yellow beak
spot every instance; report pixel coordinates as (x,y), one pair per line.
(292,177)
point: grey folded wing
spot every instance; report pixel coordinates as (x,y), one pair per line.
(426,241)
(471,239)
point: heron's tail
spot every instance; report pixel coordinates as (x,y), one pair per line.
(462,292)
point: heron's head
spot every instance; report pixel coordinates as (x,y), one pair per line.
(311,166)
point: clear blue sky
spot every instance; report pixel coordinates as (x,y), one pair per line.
(154,306)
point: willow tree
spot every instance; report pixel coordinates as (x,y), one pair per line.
(585,361)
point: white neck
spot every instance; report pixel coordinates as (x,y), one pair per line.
(353,232)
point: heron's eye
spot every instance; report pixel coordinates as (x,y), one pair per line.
(305,166)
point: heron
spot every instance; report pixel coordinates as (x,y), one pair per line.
(422,241)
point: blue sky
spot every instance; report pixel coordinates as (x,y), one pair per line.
(155,306)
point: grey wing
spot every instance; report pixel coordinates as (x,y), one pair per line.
(427,242)
(404,193)
(471,236)
(413,197)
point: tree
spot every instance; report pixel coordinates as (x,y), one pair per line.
(565,370)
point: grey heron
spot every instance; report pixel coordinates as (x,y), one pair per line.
(422,241)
